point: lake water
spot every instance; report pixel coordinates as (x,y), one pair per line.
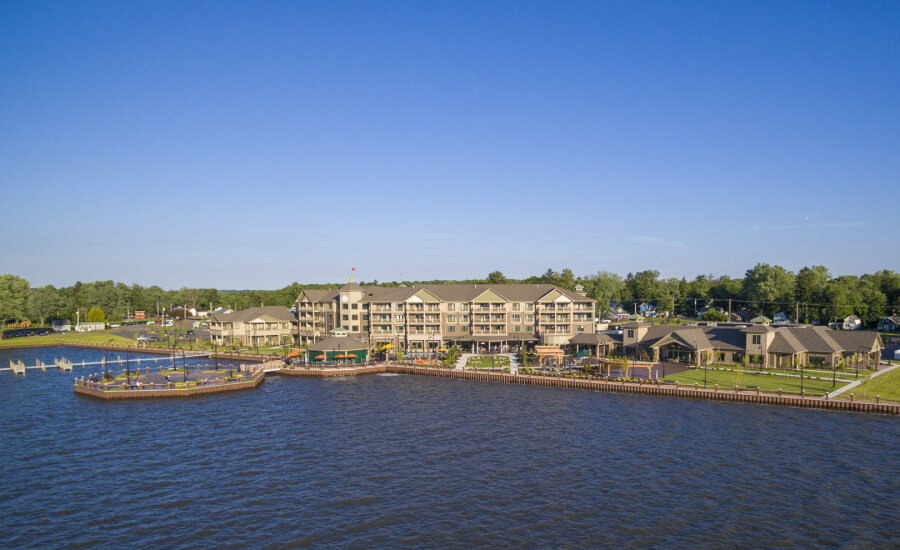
(388,461)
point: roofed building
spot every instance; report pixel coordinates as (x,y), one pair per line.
(422,318)
(762,345)
(255,326)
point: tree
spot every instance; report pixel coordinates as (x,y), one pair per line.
(766,283)
(14,293)
(605,287)
(45,302)
(809,288)
(714,316)
(95,315)
(496,278)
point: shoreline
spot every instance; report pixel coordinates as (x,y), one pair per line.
(648,388)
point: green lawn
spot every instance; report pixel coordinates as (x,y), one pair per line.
(485,361)
(726,380)
(63,339)
(886,386)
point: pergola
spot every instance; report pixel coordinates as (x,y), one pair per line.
(549,351)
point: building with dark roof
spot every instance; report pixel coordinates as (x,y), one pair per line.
(762,345)
(255,326)
(422,318)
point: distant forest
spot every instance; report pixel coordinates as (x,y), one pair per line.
(812,292)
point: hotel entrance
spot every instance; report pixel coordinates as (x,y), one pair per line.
(676,353)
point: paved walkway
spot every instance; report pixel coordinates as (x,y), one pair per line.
(849,387)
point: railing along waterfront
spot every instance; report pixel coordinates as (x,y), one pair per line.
(653,388)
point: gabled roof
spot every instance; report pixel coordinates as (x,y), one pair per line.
(339,343)
(586,339)
(449,292)
(278,313)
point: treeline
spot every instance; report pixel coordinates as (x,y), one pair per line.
(765,289)
(812,292)
(19,302)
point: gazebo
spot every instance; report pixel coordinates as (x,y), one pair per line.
(338,348)
(543,352)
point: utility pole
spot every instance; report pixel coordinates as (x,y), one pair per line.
(729,309)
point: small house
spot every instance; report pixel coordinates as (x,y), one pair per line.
(851,322)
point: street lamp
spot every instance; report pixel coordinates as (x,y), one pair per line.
(127,368)
(184,365)
(216,354)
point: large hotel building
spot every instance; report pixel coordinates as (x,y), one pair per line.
(423,318)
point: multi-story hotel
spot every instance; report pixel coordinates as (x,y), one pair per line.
(422,318)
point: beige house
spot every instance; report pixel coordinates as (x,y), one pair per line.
(255,326)
(423,318)
(760,345)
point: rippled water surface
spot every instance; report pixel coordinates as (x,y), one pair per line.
(388,461)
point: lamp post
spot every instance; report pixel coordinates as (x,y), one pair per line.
(127,368)
(216,354)
(184,365)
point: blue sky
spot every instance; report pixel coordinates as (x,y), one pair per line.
(249,145)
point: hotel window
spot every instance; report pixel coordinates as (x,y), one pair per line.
(464,318)
(354,306)
(464,307)
(528,317)
(529,307)
(355,328)
(451,329)
(451,307)
(515,318)
(631,333)
(516,328)
(580,328)
(464,329)
(451,318)
(516,306)
(345,317)
(355,317)
(399,319)
(756,338)
(528,328)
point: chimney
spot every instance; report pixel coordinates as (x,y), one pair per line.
(580,290)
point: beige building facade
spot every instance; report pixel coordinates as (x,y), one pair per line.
(255,326)
(426,318)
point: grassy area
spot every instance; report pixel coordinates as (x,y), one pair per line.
(886,386)
(487,361)
(63,339)
(770,383)
(848,374)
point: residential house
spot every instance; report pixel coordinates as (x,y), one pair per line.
(255,326)
(889,324)
(61,325)
(781,317)
(90,327)
(851,322)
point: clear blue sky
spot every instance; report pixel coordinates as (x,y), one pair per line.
(249,145)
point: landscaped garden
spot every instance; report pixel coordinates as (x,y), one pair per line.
(487,362)
(765,382)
